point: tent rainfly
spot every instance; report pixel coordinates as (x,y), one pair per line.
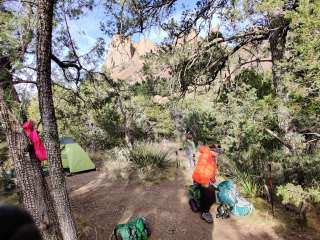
(74,157)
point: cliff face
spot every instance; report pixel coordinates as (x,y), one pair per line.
(191,37)
(124,58)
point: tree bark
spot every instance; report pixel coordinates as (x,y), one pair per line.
(50,129)
(277,40)
(127,134)
(31,183)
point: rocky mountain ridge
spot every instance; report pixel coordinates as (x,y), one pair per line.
(124,59)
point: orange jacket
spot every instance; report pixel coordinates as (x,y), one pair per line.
(206,168)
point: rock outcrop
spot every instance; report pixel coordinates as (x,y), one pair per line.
(160,100)
(191,37)
(125,58)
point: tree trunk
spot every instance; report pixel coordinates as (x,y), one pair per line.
(277,42)
(31,183)
(127,134)
(50,129)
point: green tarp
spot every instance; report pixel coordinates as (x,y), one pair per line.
(74,157)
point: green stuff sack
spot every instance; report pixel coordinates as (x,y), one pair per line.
(194,192)
(136,229)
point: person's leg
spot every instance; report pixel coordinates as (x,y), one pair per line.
(189,157)
(206,200)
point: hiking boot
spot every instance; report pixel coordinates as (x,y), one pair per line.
(207,217)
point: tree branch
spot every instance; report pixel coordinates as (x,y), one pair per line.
(69,90)
(219,64)
(313,134)
(257,35)
(313,140)
(244,63)
(23,81)
(257,60)
(273,134)
(65,64)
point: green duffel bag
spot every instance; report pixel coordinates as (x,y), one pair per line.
(136,229)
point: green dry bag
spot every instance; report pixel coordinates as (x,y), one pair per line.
(136,229)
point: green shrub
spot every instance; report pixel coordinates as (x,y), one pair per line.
(290,193)
(314,194)
(203,125)
(295,194)
(148,155)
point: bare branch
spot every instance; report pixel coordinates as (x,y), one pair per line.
(313,134)
(273,134)
(31,68)
(219,64)
(244,63)
(65,64)
(313,140)
(257,60)
(71,40)
(18,80)
(23,81)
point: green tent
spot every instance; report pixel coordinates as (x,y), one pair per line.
(74,157)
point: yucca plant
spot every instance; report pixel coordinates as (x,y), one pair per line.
(148,155)
(248,184)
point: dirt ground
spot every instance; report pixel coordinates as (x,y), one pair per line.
(100,203)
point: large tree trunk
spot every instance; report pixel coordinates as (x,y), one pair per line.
(50,129)
(30,180)
(277,42)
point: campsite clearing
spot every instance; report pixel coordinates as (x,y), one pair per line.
(99,203)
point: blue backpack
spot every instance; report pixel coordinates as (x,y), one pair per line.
(228,195)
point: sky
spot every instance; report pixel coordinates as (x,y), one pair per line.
(87,29)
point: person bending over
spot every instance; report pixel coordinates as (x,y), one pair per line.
(204,176)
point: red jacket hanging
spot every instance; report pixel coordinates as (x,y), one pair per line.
(31,132)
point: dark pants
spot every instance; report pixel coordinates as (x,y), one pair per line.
(207,198)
